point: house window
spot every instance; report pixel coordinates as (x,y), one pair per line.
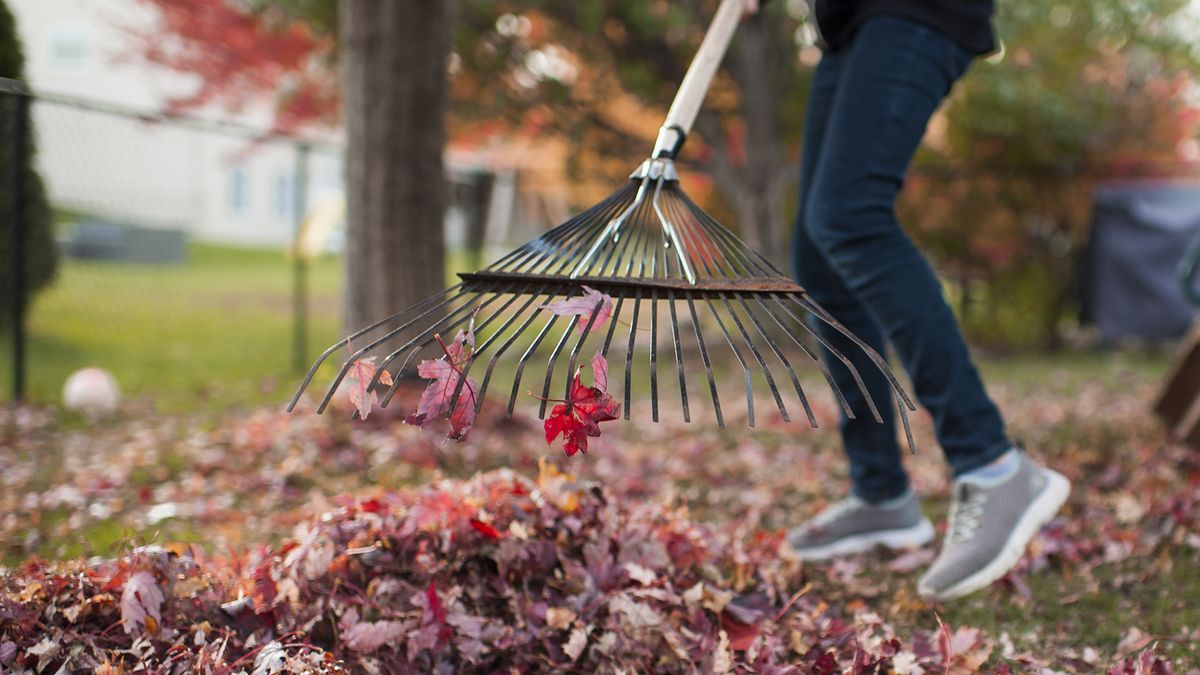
(70,47)
(239,191)
(284,190)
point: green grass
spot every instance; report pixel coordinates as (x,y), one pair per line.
(212,332)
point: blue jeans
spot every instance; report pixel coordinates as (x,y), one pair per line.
(867,111)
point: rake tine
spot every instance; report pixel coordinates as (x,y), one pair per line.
(587,329)
(637,301)
(466,369)
(805,301)
(346,340)
(812,419)
(512,399)
(389,335)
(757,357)
(554,359)
(654,356)
(612,326)
(487,376)
(712,383)
(428,336)
(862,387)
(741,361)
(567,253)
(683,397)
(557,238)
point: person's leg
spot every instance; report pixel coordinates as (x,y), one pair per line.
(876,471)
(881,509)
(895,74)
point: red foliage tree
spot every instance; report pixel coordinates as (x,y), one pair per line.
(242,55)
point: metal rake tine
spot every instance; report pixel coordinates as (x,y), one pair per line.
(562,341)
(812,306)
(682,219)
(683,397)
(572,228)
(487,376)
(629,351)
(337,346)
(812,419)
(712,382)
(429,335)
(387,336)
(466,369)
(587,329)
(654,356)
(787,364)
(757,357)
(741,361)
(590,224)
(612,326)
(512,399)
(862,387)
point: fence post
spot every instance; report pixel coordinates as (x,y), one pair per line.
(300,263)
(16,218)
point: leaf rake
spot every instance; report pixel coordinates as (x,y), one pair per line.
(654,251)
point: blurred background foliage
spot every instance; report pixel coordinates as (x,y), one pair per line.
(1000,195)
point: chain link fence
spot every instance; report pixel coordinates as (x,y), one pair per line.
(194,260)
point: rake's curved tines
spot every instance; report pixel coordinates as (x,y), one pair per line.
(712,382)
(562,341)
(337,346)
(901,397)
(757,357)
(741,361)
(845,361)
(683,397)
(587,329)
(537,341)
(487,376)
(483,346)
(808,411)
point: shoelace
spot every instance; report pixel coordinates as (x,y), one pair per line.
(965,514)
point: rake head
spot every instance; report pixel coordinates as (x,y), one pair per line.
(657,254)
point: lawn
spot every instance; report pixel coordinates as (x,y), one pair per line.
(214,331)
(1114,574)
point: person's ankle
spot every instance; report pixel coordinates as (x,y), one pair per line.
(997,471)
(890,503)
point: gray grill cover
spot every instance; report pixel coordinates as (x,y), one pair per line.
(1139,236)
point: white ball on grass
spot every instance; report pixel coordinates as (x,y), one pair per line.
(92,392)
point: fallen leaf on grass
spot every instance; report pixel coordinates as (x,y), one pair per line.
(141,602)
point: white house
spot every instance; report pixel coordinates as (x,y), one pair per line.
(215,185)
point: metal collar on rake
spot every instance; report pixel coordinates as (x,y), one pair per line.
(662,260)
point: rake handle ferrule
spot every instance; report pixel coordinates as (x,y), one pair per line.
(699,76)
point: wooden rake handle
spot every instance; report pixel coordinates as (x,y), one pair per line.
(699,77)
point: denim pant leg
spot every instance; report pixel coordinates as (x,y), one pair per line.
(876,471)
(892,77)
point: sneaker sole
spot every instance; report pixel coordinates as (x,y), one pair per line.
(908,537)
(1041,511)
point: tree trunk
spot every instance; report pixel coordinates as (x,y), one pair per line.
(755,189)
(393,69)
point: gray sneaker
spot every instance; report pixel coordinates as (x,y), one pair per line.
(853,525)
(990,526)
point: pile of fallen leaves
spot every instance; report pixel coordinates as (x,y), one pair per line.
(495,573)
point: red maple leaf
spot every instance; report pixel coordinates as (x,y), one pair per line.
(358,381)
(446,374)
(579,417)
(592,301)
(485,529)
